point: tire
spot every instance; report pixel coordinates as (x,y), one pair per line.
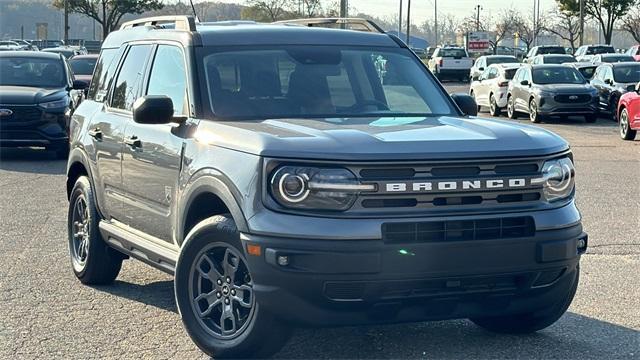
(530,322)
(613,107)
(511,108)
(473,95)
(92,261)
(534,117)
(248,330)
(626,133)
(494,110)
(590,119)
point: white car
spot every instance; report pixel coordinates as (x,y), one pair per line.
(490,90)
(483,61)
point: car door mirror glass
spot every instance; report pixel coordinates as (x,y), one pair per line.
(153,109)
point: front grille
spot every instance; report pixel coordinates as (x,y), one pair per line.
(573,98)
(457,230)
(461,199)
(22,113)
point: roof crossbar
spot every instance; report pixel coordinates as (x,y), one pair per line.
(181,22)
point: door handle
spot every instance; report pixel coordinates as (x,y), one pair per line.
(96,134)
(133,141)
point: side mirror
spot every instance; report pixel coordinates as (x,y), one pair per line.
(79,85)
(475,77)
(608,81)
(153,109)
(466,103)
(524,82)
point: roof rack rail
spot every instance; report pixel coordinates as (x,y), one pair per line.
(181,22)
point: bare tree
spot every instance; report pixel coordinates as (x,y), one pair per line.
(273,10)
(108,13)
(504,27)
(524,27)
(606,12)
(631,23)
(565,25)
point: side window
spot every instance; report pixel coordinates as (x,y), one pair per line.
(518,76)
(103,74)
(493,73)
(168,77)
(129,78)
(527,75)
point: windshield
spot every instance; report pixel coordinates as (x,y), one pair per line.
(627,73)
(83,66)
(557,75)
(34,72)
(501,60)
(558,59)
(320,81)
(594,50)
(551,50)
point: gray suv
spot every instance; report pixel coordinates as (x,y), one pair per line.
(284,181)
(542,91)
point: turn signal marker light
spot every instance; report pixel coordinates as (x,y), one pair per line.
(254,250)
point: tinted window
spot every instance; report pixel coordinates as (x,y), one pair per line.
(508,74)
(82,66)
(587,72)
(627,73)
(35,72)
(127,85)
(454,53)
(617,58)
(320,81)
(593,50)
(557,75)
(551,50)
(501,60)
(103,74)
(558,59)
(168,76)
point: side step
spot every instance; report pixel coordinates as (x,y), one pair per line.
(149,250)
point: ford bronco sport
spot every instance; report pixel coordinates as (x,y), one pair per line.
(284,180)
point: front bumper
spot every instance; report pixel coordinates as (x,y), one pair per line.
(549,107)
(347,282)
(37,128)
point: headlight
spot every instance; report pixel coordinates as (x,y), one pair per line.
(558,179)
(311,188)
(64,102)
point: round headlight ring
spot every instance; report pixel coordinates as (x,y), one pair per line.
(297,196)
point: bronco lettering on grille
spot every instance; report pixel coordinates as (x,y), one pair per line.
(455,185)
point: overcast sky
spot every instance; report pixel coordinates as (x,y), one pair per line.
(423,9)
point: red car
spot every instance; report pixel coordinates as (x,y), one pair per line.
(634,51)
(629,114)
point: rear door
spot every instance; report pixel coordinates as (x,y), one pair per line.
(152,153)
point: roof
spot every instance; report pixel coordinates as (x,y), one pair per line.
(622,63)
(30,54)
(581,64)
(275,34)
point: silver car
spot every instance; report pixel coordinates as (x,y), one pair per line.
(490,88)
(551,90)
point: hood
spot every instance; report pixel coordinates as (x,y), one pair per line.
(354,139)
(566,88)
(22,95)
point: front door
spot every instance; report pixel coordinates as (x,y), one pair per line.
(152,154)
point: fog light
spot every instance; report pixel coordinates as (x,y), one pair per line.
(581,245)
(283,260)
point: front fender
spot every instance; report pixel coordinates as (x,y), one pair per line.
(210,181)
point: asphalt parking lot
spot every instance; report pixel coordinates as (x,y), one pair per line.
(46,313)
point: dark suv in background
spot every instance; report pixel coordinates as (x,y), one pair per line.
(284,180)
(37,95)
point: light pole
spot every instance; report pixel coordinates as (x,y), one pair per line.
(478,8)
(400,20)
(581,22)
(66,22)
(408,21)
(435,13)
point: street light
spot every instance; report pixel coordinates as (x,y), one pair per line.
(478,8)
